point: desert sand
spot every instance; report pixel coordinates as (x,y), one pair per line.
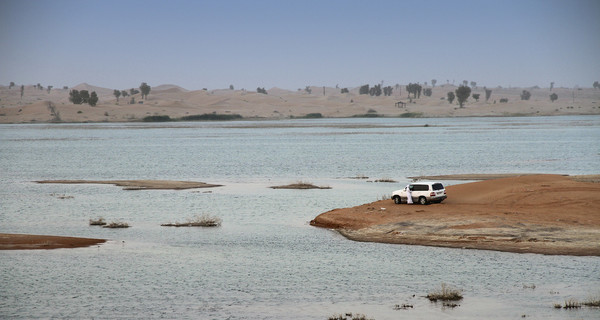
(547,214)
(177,102)
(10,241)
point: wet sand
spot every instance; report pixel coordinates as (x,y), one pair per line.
(141,184)
(547,214)
(10,241)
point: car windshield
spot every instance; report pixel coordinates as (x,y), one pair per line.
(437,186)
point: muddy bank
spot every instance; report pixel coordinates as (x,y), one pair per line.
(10,241)
(548,214)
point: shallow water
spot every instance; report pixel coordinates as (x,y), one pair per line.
(265,261)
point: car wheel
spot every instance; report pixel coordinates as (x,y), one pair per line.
(423,200)
(397,200)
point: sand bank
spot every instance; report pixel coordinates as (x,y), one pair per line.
(141,184)
(9,241)
(548,214)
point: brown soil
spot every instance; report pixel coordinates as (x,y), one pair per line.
(9,241)
(141,184)
(548,214)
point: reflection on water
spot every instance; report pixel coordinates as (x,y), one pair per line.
(265,261)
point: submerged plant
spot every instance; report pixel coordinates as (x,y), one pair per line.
(117,224)
(205,220)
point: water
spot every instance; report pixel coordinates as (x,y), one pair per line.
(266,262)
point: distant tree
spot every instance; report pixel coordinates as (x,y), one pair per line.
(345,90)
(145,89)
(476,96)
(375,90)
(387,91)
(12,84)
(93,99)
(450,97)
(124,93)
(553,97)
(364,89)
(117,94)
(473,84)
(503,100)
(551,85)
(525,95)
(465,83)
(261,90)
(39,86)
(427,92)
(49,88)
(596,85)
(488,93)
(415,89)
(133,91)
(85,96)
(75,97)
(132,100)
(308,89)
(462,94)
(433,82)
(230,87)
(65,87)
(22,91)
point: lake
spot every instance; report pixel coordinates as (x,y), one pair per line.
(265,261)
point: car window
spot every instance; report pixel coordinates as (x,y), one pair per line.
(437,186)
(420,187)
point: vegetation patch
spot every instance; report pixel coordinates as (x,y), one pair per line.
(411,115)
(211,117)
(157,119)
(349,316)
(98,222)
(445,293)
(387,180)
(367,115)
(300,185)
(117,225)
(204,220)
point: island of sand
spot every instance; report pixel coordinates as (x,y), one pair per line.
(546,214)
(141,184)
(11,241)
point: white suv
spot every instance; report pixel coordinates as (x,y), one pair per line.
(422,192)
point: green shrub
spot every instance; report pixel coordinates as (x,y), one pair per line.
(157,119)
(211,117)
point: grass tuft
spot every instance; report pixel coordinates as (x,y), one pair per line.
(205,220)
(445,293)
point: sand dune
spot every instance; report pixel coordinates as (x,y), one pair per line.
(549,214)
(174,101)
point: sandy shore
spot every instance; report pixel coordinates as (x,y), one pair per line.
(141,184)
(547,214)
(10,241)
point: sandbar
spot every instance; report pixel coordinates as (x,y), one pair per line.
(546,214)
(141,184)
(11,241)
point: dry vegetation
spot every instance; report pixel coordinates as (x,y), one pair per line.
(445,293)
(117,225)
(204,220)
(98,222)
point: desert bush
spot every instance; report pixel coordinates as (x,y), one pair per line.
(592,302)
(445,293)
(572,304)
(503,100)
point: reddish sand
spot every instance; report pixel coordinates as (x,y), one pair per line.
(9,241)
(548,214)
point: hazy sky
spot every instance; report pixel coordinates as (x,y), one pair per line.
(292,44)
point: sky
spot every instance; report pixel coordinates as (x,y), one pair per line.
(293,44)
